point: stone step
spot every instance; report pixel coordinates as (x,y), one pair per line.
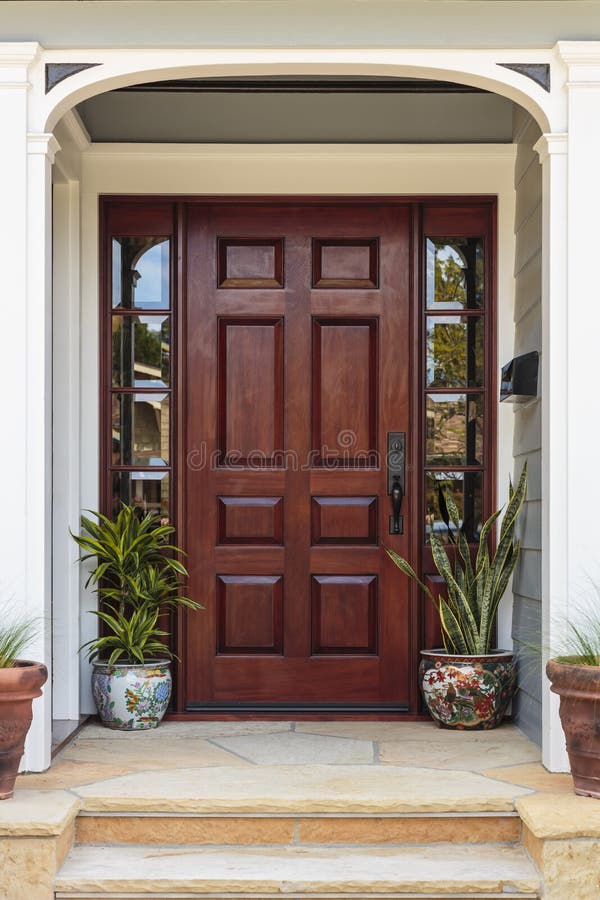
(180,828)
(358,790)
(423,871)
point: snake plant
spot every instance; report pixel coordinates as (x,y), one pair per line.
(137,577)
(474,589)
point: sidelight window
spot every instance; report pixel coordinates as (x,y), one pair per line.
(139,373)
(455,365)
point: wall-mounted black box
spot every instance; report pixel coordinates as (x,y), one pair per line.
(519,378)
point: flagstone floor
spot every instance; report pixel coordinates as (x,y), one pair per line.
(105,759)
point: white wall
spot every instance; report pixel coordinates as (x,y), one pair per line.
(173,169)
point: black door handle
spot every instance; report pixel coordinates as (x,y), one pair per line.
(396,519)
(396,457)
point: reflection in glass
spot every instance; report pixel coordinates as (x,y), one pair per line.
(454,429)
(466,491)
(149,491)
(454,273)
(454,351)
(140,429)
(140,356)
(140,273)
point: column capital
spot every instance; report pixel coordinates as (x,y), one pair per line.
(551,145)
(15,61)
(43,145)
(582,59)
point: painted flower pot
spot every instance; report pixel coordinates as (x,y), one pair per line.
(132,697)
(19,685)
(579,690)
(467,692)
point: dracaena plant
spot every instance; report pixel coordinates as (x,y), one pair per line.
(474,589)
(137,576)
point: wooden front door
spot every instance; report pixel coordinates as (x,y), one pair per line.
(297,367)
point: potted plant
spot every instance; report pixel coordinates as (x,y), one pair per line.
(575,677)
(138,579)
(20,682)
(467,684)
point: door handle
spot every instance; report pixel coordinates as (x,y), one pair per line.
(396,456)
(396,518)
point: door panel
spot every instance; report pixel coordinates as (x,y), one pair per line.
(249,614)
(250,390)
(297,368)
(344,377)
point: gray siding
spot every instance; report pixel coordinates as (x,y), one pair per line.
(527,707)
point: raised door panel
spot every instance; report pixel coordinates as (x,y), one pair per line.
(345,263)
(249,614)
(344,391)
(250,520)
(250,263)
(344,614)
(344,520)
(250,390)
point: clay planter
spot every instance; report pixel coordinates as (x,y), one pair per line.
(132,697)
(579,690)
(19,685)
(467,692)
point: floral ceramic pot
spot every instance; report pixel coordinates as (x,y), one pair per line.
(132,697)
(467,692)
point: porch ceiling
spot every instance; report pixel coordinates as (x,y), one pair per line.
(352,111)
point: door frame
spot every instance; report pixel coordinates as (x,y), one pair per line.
(420,622)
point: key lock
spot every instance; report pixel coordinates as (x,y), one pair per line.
(396,458)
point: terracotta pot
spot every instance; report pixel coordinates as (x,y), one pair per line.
(579,690)
(19,685)
(467,693)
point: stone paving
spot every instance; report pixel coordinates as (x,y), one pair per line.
(98,754)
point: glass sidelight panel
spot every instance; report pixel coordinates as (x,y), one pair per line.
(454,351)
(140,273)
(148,491)
(454,429)
(140,351)
(466,491)
(140,429)
(454,278)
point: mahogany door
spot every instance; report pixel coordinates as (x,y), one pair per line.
(297,368)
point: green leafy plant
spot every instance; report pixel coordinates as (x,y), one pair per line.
(16,632)
(474,590)
(137,578)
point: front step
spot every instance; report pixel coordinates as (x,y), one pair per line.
(423,871)
(181,828)
(302,831)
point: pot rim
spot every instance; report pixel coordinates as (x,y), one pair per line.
(566,665)
(22,664)
(148,664)
(493,654)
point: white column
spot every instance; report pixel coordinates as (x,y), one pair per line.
(552,149)
(65,449)
(41,149)
(571,353)
(25,216)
